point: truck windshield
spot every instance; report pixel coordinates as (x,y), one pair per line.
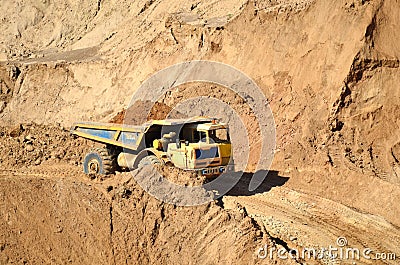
(219,135)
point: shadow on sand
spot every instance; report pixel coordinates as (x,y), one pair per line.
(240,183)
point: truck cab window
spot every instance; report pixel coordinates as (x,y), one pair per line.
(219,135)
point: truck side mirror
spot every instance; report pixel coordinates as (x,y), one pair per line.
(178,143)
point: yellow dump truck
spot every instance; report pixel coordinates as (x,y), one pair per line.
(199,144)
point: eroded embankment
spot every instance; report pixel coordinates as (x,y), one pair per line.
(63,217)
(27,145)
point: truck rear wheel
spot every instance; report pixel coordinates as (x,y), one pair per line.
(149,160)
(100,161)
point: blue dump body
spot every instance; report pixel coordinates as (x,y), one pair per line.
(99,133)
(125,136)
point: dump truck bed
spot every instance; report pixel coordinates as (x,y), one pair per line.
(126,136)
(123,135)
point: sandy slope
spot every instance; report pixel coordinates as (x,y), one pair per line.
(329,69)
(55,214)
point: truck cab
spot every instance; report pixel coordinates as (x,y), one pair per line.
(204,147)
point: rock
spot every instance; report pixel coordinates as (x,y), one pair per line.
(59,229)
(29,137)
(16,131)
(29,148)
(124,192)
(5,89)
(38,161)
(2,105)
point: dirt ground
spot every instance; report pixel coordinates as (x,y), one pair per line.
(329,71)
(57,215)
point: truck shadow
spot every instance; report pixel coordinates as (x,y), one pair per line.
(241,183)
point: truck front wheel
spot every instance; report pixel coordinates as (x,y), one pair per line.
(149,160)
(99,161)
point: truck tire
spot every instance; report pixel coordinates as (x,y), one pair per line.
(100,161)
(149,160)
